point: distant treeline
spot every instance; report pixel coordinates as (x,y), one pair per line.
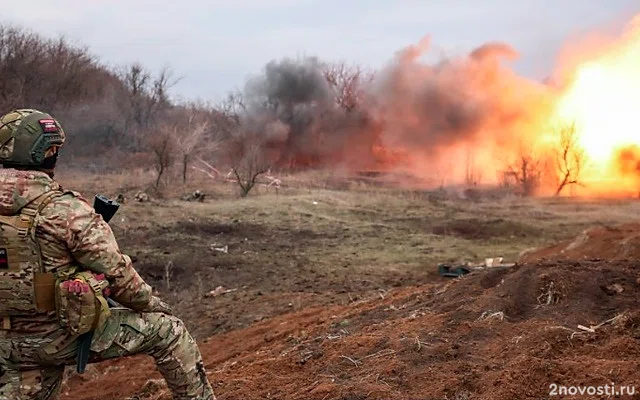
(294,112)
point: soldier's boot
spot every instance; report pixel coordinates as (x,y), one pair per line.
(167,340)
(42,384)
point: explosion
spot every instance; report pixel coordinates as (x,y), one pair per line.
(466,119)
(603,100)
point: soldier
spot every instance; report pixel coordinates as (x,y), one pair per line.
(48,236)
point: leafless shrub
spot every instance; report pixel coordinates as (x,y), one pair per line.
(145,98)
(162,144)
(249,161)
(549,295)
(36,72)
(348,83)
(197,138)
(227,120)
(473,176)
(570,158)
(525,172)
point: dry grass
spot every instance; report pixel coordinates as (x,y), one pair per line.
(366,226)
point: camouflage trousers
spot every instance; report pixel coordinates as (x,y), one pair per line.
(32,367)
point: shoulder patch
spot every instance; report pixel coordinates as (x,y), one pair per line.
(48,125)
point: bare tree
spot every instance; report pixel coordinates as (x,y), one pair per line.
(192,141)
(228,115)
(249,161)
(42,73)
(526,171)
(162,145)
(570,158)
(348,83)
(473,176)
(146,97)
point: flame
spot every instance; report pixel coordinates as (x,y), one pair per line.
(603,100)
(472,120)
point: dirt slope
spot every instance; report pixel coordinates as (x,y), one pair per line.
(500,334)
(600,243)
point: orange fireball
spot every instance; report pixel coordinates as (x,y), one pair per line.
(603,100)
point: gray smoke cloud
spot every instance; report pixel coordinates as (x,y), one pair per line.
(409,104)
(294,103)
(291,82)
(292,92)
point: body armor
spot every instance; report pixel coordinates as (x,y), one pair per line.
(25,288)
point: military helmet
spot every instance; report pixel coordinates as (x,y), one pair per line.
(27,137)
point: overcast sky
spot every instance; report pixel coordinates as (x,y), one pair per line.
(215,45)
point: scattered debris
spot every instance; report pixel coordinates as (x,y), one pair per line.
(224,249)
(495,262)
(491,315)
(195,196)
(214,173)
(208,169)
(610,321)
(272,181)
(456,271)
(141,197)
(353,361)
(381,353)
(490,262)
(220,290)
(451,271)
(549,295)
(613,289)
(581,329)
(120,198)
(584,328)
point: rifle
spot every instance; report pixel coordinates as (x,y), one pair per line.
(107,209)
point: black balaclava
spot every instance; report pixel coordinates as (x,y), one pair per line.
(48,164)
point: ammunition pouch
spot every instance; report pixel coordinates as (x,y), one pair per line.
(80,302)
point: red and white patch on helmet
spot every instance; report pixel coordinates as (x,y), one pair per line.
(48,125)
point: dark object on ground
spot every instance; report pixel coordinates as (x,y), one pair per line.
(450,271)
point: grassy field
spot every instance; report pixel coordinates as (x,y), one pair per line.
(328,289)
(309,244)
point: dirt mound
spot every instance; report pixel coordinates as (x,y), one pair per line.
(500,334)
(601,243)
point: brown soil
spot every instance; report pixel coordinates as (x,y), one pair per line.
(600,243)
(494,334)
(265,271)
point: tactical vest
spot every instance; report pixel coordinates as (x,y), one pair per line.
(25,288)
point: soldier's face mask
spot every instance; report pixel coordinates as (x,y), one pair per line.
(49,163)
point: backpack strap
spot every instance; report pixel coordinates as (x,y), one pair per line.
(25,221)
(44,282)
(33,209)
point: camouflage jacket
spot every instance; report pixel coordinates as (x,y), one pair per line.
(70,233)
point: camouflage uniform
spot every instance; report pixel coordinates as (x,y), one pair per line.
(35,350)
